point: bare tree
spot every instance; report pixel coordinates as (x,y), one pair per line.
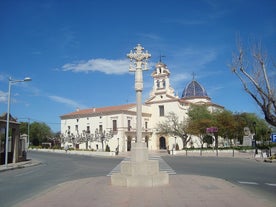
(255,72)
(173,127)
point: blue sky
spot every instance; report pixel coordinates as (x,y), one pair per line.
(75,50)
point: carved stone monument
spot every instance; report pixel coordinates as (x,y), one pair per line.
(247,137)
(139,171)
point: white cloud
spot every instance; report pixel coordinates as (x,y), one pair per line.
(3,97)
(66,101)
(102,65)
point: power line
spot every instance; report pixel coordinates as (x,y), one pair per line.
(36,120)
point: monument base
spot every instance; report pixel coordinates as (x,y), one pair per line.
(139,171)
(247,141)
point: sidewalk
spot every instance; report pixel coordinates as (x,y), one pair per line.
(12,166)
(183,191)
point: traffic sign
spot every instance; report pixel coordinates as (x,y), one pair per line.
(273,137)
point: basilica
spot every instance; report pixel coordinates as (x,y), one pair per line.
(114,127)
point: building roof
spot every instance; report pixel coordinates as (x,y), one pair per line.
(12,120)
(194,89)
(206,103)
(96,111)
(161,69)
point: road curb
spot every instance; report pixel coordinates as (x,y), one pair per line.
(18,165)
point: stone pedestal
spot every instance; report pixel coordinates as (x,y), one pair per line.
(140,171)
(247,140)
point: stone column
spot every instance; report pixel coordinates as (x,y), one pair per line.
(138,60)
(140,63)
(139,171)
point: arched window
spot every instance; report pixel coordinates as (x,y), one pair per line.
(158,83)
(164,83)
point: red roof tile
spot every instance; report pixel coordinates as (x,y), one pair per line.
(91,111)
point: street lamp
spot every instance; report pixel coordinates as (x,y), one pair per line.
(28,141)
(8,116)
(212,131)
(175,144)
(255,137)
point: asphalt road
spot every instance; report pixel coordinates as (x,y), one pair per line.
(259,177)
(20,184)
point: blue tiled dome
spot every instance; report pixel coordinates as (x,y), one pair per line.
(194,89)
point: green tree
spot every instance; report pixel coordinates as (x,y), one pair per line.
(38,131)
(23,128)
(256,125)
(199,120)
(240,123)
(226,124)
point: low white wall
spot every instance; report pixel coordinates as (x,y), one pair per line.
(222,153)
(76,152)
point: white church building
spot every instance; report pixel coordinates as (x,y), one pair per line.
(114,127)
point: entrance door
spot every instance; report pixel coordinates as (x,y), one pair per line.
(162,143)
(147,141)
(129,143)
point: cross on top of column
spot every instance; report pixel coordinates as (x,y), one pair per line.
(140,58)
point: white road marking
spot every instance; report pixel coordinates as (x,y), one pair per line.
(271,184)
(254,183)
(163,166)
(248,183)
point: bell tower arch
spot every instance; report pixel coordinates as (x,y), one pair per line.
(161,82)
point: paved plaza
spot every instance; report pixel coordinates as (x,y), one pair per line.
(183,190)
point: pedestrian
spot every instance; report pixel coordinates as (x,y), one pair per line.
(66,148)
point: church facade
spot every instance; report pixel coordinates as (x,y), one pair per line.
(114,127)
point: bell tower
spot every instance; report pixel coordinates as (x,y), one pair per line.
(161,83)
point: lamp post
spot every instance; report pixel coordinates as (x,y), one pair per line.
(8,116)
(270,139)
(212,131)
(174,144)
(255,137)
(102,141)
(28,141)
